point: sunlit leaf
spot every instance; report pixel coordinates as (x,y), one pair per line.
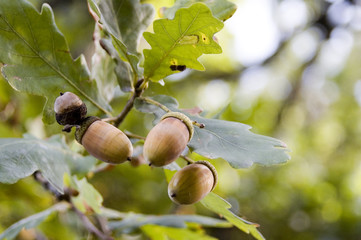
(88,199)
(155,232)
(21,157)
(31,221)
(177,44)
(37,59)
(231,141)
(220,206)
(221,9)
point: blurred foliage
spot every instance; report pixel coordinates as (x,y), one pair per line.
(310,101)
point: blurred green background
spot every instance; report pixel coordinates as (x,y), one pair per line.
(291,69)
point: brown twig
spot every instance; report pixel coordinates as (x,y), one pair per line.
(129,105)
(90,226)
(66,196)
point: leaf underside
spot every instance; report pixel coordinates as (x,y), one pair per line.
(37,59)
(124,21)
(177,44)
(21,157)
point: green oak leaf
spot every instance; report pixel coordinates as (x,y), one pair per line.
(221,9)
(220,206)
(21,157)
(177,43)
(234,142)
(32,221)
(37,59)
(231,141)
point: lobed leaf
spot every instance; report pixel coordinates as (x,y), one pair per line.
(220,206)
(231,141)
(177,44)
(221,9)
(37,59)
(21,157)
(31,221)
(234,142)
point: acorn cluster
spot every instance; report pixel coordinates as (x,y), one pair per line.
(164,144)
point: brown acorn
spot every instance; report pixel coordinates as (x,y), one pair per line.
(192,183)
(69,109)
(168,139)
(104,141)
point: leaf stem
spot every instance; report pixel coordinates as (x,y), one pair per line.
(188,159)
(68,194)
(155,103)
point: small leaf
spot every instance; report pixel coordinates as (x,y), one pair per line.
(220,206)
(31,221)
(89,199)
(164,233)
(177,44)
(104,67)
(37,59)
(221,9)
(231,141)
(21,157)
(135,221)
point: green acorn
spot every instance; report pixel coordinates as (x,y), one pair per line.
(168,139)
(192,183)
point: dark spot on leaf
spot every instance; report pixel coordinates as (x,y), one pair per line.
(178,67)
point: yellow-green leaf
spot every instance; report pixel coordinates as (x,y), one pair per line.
(177,44)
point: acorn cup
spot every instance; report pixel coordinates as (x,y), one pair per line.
(168,139)
(69,109)
(192,183)
(104,141)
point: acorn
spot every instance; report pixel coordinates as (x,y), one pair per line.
(168,139)
(69,109)
(104,141)
(192,183)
